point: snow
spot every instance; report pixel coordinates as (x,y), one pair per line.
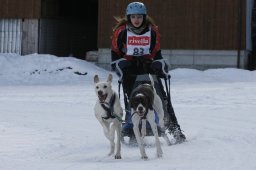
(47,119)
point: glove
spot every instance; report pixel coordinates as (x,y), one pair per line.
(160,67)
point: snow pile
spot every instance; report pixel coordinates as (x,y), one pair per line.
(43,69)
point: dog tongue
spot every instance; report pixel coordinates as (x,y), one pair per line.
(102,98)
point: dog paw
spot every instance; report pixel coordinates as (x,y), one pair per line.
(160,155)
(118,157)
(144,157)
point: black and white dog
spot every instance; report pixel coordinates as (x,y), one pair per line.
(143,101)
(109,113)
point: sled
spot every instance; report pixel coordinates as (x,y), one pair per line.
(163,92)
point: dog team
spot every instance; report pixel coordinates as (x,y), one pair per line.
(144,102)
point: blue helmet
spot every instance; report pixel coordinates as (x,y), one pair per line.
(136,8)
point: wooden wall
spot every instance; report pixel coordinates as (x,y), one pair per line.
(183,24)
(20,8)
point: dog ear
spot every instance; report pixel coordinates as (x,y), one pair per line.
(131,100)
(110,77)
(131,103)
(96,79)
(150,101)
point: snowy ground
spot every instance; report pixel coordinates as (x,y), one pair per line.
(47,120)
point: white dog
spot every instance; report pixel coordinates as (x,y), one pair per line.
(143,101)
(109,113)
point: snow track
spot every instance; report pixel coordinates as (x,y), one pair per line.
(53,127)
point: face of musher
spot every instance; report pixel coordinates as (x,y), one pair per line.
(136,20)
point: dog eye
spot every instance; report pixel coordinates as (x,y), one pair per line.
(97,87)
(105,86)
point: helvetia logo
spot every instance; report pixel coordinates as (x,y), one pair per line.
(142,40)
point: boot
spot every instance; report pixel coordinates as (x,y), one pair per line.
(178,136)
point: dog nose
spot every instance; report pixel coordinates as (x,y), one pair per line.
(100,93)
(140,109)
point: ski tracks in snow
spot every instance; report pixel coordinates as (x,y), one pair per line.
(53,127)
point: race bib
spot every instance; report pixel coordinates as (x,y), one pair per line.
(138,45)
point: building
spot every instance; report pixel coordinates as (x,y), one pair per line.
(59,27)
(194,34)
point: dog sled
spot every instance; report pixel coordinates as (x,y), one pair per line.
(162,87)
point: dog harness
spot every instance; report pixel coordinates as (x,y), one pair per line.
(109,108)
(144,116)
